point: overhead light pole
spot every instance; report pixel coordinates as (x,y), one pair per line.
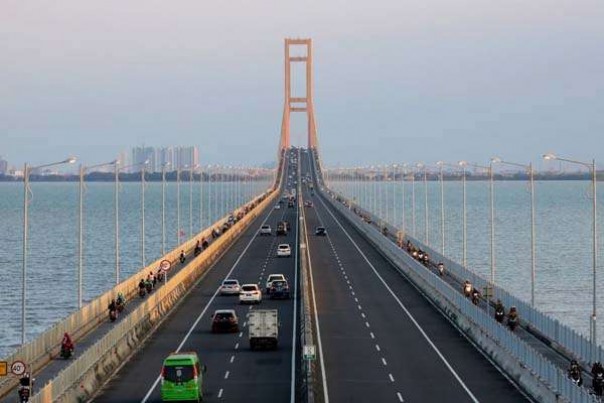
(26,193)
(82,172)
(163,207)
(530,171)
(424,168)
(442,207)
(592,167)
(463,165)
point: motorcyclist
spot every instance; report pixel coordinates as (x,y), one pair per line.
(467,288)
(151,278)
(597,372)
(204,243)
(441,268)
(141,288)
(25,386)
(120,302)
(148,286)
(112,310)
(574,373)
(182,257)
(475,296)
(67,346)
(499,311)
(197,250)
(513,318)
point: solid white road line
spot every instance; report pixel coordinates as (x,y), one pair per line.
(184,340)
(404,308)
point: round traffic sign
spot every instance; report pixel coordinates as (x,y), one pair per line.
(17,368)
(165,265)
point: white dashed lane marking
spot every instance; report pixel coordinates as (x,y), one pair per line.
(400,397)
(384,361)
(226,375)
(220,393)
(232,358)
(391,377)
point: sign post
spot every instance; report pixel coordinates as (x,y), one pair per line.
(3,368)
(17,368)
(164,266)
(309,352)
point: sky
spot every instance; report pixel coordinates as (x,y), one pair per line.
(394,80)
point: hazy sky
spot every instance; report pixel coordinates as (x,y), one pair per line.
(395,80)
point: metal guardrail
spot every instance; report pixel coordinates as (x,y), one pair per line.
(153,308)
(40,351)
(542,368)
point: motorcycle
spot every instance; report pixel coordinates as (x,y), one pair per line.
(142,292)
(24,393)
(512,323)
(475,297)
(149,287)
(120,306)
(113,315)
(598,383)
(182,258)
(197,251)
(499,315)
(575,376)
(441,269)
(66,352)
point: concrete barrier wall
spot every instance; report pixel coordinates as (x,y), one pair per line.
(40,351)
(500,345)
(81,379)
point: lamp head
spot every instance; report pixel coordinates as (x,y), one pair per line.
(496,160)
(440,163)
(550,156)
(70,160)
(462,163)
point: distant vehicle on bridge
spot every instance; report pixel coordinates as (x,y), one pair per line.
(182,377)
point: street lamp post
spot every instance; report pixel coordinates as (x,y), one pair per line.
(82,172)
(442,208)
(163,208)
(426,237)
(592,167)
(143,171)
(26,192)
(200,198)
(463,165)
(529,168)
(178,205)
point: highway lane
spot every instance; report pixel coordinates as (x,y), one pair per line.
(381,339)
(234,372)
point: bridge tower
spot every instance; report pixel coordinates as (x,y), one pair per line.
(298,104)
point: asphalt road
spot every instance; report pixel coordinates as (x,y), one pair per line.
(234,372)
(382,341)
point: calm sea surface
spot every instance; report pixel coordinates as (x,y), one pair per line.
(563,212)
(53,241)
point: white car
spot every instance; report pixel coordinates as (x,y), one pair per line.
(230,287)
(284,250)
(273,277)
(250,293)
(277,207)
(266,230)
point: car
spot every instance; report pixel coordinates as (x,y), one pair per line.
(230,287)
(320,231)
(266,230)
(250,293)
(282,228)
(279,290)
(284,250)
(271,278)
(277,207)
(182,377)
(225,320)
(308,203)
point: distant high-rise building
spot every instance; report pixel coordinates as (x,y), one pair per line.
(165,155)
(142,154)
(3,166)
(187,157)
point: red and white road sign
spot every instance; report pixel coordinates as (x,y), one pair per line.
(165,265)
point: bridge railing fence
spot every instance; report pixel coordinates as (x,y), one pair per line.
(510,342)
